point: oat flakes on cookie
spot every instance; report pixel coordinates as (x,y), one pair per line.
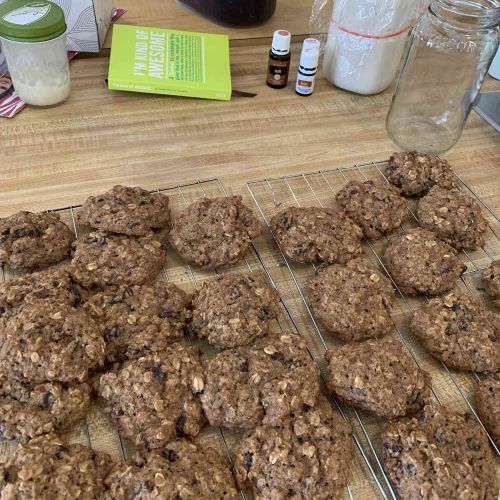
(234,310)
(31,240)
(491,280)
(378,375)
(51,284)
(180,470)
(307,457)
(214,232)
(415,173)
(101,260)
(377,207)
(352,301)
(50,342)
(48,469)
(316,234)
(454,217)
(29,410)
(140,319)
(125,210)
(440,454)
(421,263)
(459,331)
(263,383)
(154,399)
(487,399)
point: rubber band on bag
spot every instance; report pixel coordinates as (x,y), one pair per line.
(374,37)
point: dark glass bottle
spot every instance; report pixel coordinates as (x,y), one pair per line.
(278,66)
(234,12)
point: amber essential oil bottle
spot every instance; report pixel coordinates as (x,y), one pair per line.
(279,60)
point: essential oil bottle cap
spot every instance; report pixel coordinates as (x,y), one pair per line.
(281,42)
(312,43)
(309,58)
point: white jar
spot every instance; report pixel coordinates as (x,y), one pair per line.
(34,41)
(366,41)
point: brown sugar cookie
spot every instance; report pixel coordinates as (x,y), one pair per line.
(182,469)
(29,410)
(49,342)
(487,399)
(459,331)
(47,468)
(415,173)
(234,310)
(378,375)
(125,210)
(101,260)
(154,399)
(263,383)
(377,207)
(214,232)
(313,234)
(440,454)
(139,319)
(54,285)
(352,301)
(307,457)
(455,217)
(491,280)
(31,240)
(421,263)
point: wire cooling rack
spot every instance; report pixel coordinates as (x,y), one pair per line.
(450,387)
(367,478)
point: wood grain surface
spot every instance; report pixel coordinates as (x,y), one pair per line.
(56,157)
(292,15)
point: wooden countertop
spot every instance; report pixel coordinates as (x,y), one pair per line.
(56,157)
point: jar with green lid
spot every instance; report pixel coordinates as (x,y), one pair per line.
(33,37)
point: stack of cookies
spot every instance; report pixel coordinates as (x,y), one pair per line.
(101,325)
(352,300)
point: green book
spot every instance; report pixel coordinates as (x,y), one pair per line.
(160,61)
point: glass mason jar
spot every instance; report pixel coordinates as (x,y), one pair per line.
(450,51)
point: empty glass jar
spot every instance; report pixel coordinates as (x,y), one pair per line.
(450,51)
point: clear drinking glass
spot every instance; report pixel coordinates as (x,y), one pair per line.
(450,51)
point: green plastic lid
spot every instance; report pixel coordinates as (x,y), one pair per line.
(31,21)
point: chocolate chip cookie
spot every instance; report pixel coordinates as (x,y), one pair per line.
(46,468)
(307,457)
(487,399)
(31,240)
(181,470)
(421,263)
(51,284)
(454,217)
(29,410)
(50,342)
(378,375)
(377,207)
(313,234)
(101,259)
(234,310)
(214,232)
(352,301)
(440,454)
(137,320)
(491,280)
(154,399)
(263,383)
(125,210)
(459,331)
(415,173)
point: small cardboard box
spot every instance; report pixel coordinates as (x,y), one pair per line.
(88,22)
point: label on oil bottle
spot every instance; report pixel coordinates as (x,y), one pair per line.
(278,73)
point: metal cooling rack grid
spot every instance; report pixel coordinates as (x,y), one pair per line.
(367,480)
(271,195)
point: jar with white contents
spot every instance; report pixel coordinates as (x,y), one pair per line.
(33,38)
